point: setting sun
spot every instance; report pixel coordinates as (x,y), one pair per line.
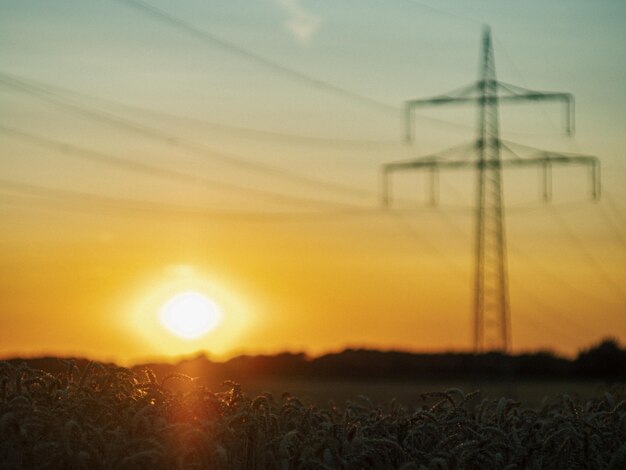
(190,315)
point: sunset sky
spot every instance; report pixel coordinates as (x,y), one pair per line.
(234,149)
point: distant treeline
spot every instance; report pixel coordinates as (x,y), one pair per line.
(607,360)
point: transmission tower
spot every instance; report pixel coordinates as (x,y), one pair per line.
(489,155)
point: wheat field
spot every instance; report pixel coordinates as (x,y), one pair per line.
(104,417)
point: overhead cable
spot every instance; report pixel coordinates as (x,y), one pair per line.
(155,171)
(172,140)
(90,202)
(216,41)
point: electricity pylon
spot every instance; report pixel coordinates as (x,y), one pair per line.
(491,311)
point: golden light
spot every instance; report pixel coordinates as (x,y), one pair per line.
(183,310)
(190,315)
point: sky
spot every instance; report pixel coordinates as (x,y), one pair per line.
(235,149)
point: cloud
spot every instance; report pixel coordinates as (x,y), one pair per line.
(301,23)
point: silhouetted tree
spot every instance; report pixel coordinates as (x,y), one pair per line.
(606,360)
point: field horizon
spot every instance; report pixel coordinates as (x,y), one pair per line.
(604,360)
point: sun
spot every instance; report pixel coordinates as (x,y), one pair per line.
(190,315)
(184,309)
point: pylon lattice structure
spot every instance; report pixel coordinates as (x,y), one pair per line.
(491,307)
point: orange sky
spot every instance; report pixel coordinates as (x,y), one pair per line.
(276,214)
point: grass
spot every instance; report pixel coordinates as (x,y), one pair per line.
(109,417)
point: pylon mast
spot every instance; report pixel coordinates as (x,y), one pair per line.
(491,310)
(491,291)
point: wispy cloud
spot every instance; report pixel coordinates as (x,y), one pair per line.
(301,23)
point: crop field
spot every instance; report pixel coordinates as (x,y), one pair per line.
(328,392)
(102,417)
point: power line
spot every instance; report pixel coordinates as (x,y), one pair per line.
(537,104)
(439,11)
(619,215)
(154,171)
(88,202)
(537,268)
(521,255)
(527,292)
(523,208)
(281,137)
(168,139)
(563,320)
(77,201)
(542,325)
(216,41)
(424,244)
(615,230)
(540,268)
(587,255)
(91,202)
(455,228)
(248,131)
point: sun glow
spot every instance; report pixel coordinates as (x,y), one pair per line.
(182,309)
(190,315)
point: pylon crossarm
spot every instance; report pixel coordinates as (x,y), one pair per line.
(592,162)
(434,163)
(548,159)
(551,158)
(518,90)
(527,152)
(437,100)
(570,157)
(459,95)
(515,147)
(566,98)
